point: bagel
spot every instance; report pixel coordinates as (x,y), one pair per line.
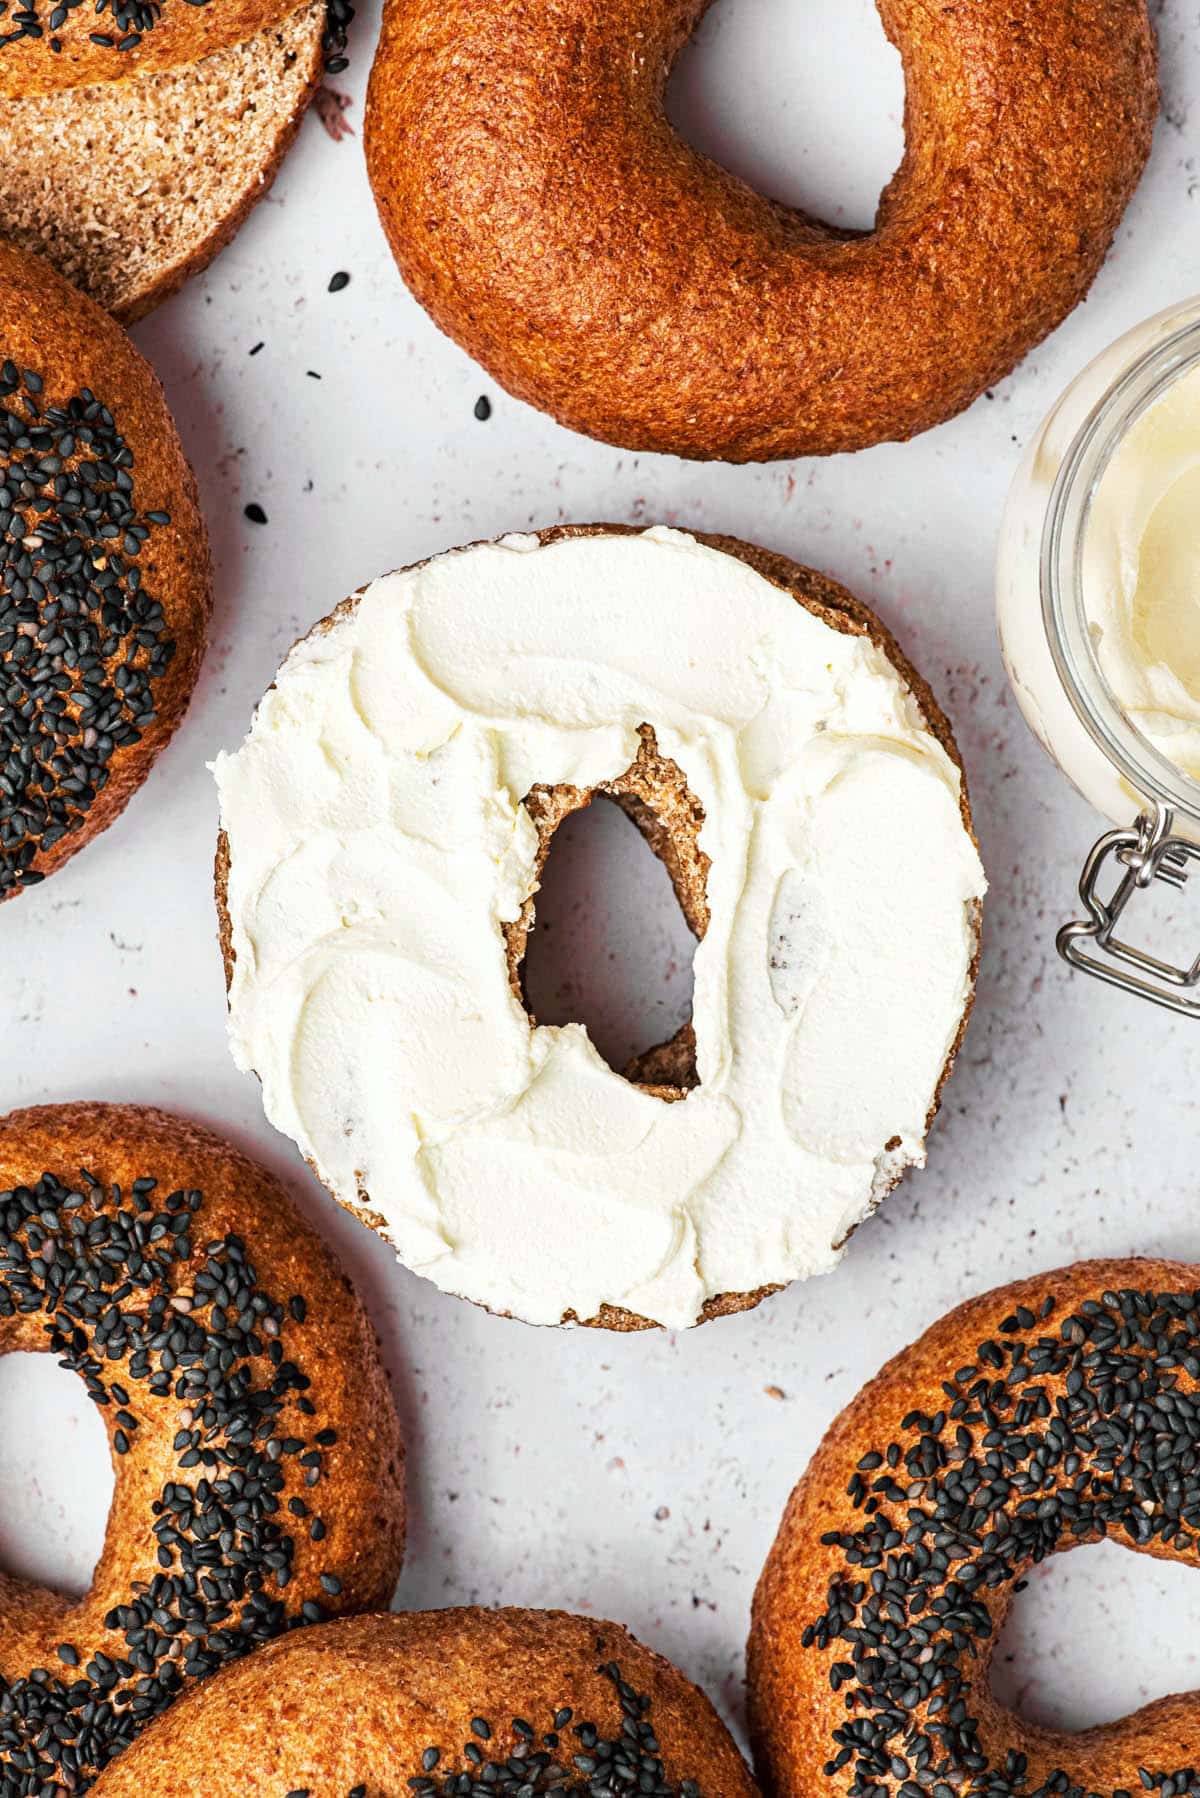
(105,579)
(257,1485)
(1049,1413)
(131,187)
(548,218)
(133,145)
(384,827)
(441,1702)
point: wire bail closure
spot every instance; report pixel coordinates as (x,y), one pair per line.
(1145,853)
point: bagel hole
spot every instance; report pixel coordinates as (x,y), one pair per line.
(56,1475)
(609,947)
(805,104)
(1098,1633)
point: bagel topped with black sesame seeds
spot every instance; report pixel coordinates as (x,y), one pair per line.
(255,1446)
(1051,1413)
(441,1704)
(105,580)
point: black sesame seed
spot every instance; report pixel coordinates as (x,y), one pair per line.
(339,281)
(255,513)
(483,408)
(622,1758)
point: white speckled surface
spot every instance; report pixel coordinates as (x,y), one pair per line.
(641,1478)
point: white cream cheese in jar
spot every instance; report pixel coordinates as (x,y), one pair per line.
(1141,574)
(1138,561)
(378,843)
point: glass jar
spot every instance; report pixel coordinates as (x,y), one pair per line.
(1054,669)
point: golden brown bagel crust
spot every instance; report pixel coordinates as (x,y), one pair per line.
(357,1703)
(794,1709)
(354,1486)
(549,219)
(48,327)
(671,828)
(185,31)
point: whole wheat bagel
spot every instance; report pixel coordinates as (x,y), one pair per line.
(547,216)
(134,143)
(256,1451)
(654,793)
(105,580)
(441,1702)
(130,187)
(1049,1413)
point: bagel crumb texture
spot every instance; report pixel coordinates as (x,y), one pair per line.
(130,188)
(1060,1412)
(442,1704)
(173,1277)
(104,571)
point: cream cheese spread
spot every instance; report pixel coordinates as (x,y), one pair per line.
(378,842)
(1141,573)
(1136,549)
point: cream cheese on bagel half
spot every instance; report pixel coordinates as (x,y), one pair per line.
(380,849)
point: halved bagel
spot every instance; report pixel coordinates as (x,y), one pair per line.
(534,1101)
(130,187)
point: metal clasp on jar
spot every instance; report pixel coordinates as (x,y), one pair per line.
(1147,852)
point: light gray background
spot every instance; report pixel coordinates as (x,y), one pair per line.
(640,1479)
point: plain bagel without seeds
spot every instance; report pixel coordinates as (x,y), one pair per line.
(130,168)
(105,579)
(549,219)
(1057,1411)
(305,996)
(258,1485)
(440,1703)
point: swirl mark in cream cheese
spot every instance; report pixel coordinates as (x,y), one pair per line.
(378,843)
